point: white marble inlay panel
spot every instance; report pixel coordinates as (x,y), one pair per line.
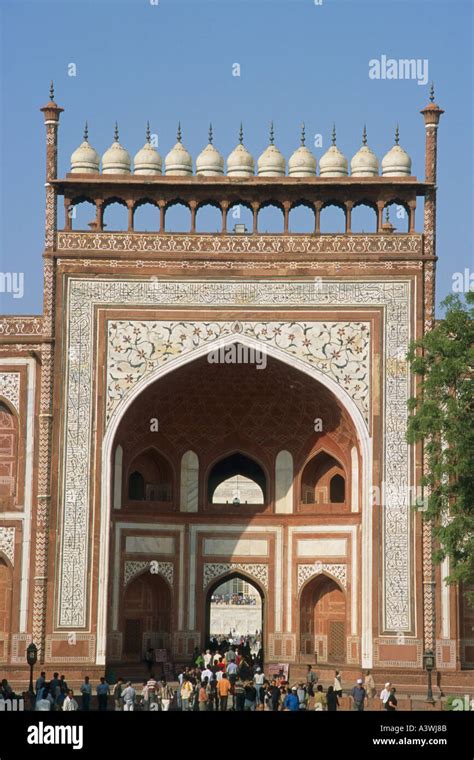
(321,547)
(235,547)
(150,544)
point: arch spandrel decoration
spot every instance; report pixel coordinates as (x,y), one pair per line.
(7,543)
(336,571)
(10,388)
(213,570)
(133,568)
(338,349)
(85,294)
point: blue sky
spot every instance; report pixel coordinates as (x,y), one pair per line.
(136,60)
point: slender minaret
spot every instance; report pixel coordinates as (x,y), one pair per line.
(431,114)
(41,524)
(51,113)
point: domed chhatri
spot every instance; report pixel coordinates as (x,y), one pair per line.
(116,159)
(364,163)
(396,162)
(302,163)
(240,163)
(271,163)
(178,161)
(210,163)
(147,160)
(85,160)
(333,163)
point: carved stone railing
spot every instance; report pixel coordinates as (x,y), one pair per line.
(21,327)
(194,244)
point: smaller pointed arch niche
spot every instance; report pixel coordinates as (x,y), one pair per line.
(150,477)
(323,481)
(236,479)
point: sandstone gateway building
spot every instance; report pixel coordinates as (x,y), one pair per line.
(116,430)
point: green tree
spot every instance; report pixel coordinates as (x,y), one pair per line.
(442,418)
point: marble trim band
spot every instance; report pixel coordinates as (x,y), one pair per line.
(84,294)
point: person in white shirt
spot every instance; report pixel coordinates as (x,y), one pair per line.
(70,704)
(44,703)
(259,677)
(385,693)
(232,668)
(128,696)
(207,673)
(207,658)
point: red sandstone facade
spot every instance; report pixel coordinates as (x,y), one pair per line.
(92,493)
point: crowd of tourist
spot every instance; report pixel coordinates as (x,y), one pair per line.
(234,599)
(225,676)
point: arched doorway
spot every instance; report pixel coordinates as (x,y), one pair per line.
(224,410)
(6,590)
(323,625)
(235,611)
(146,615)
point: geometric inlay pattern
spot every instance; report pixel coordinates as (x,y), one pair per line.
(339,572)
(215,569)
(133,568)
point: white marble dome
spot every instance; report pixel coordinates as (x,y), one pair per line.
(240,163)
(85,160)
(396,162)
(147,161)
(210,163)
(178,161)
(333,163)
(116,160)
(271,163)
(302,163)
(364,163)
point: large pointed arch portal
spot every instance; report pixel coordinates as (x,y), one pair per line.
(274,353)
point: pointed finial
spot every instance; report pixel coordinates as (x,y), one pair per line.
(241,134)
(51,91)
(333,134)
(178,136)
(210,134)
(432,92)
(364,136)
(116,133)
(303,133)
(148,134)
(86,132)
(397,135)
(272,136)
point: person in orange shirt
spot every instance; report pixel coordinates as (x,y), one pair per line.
(223,689)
